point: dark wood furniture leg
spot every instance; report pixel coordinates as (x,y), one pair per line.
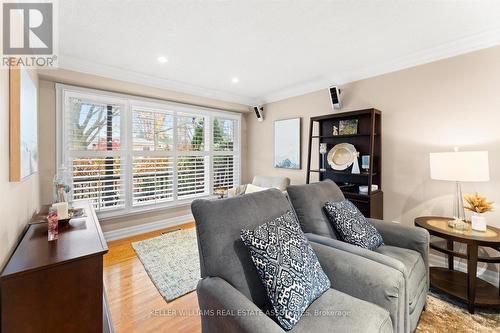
(449,246)
(471,274)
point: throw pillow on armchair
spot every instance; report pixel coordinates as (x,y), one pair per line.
(287,266)
(352,226)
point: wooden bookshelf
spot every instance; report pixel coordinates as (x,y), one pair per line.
(367,141)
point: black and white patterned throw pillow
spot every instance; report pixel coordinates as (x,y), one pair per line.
(352,226)
(287,266)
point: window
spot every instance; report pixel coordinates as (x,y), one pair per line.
(94,151)
(224,161)
(152,160)
(126,154)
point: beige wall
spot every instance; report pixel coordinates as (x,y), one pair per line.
(19,200)
(428,108)
(47,127)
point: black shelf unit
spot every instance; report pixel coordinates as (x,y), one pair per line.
(367,141)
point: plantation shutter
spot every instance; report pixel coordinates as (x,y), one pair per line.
(191,176)
(153,162)
(192,156)
(225,167)
(152,180)
(225,159)
(93,134)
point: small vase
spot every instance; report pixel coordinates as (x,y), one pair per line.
(478,222)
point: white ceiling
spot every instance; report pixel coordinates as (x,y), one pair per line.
(277,49)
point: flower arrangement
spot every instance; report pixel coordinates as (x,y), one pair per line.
(478,204)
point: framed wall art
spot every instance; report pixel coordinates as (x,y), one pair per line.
(348,126)
(287,135)
(23,124)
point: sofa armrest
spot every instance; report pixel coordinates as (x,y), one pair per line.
(408,237)
(365,253)
(225,309)
(365,279)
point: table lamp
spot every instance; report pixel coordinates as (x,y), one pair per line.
(463,166)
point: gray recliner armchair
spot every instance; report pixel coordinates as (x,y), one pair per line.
(406,248)
(232,298)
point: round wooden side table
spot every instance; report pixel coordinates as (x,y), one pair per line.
(465,286)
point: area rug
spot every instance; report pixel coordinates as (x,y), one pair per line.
(171,261)
(445,314)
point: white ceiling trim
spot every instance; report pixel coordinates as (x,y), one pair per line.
(460,46)
(90,67)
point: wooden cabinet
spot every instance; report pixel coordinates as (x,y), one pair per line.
(56,286)
(367,140)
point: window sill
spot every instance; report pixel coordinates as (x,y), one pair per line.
(122,213)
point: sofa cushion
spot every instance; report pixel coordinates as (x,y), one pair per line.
(251,188)
(278,182)
(415,271)
(218,226)
(308,201)
(335,311)
(287,266)
(352,226)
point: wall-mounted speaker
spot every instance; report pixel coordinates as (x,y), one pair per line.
(335,97)
(259,112)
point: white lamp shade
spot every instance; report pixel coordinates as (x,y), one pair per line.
(462,166)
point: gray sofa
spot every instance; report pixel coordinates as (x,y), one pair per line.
(406,248)
(232,297)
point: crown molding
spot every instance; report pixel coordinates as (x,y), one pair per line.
(90,67)
(461,46)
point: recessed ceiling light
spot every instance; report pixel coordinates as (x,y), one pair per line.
(235,80)
(162,59)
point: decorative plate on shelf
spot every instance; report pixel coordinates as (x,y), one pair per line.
(341,156)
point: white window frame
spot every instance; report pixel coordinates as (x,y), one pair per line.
(127,104)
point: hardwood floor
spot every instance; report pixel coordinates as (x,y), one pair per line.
(135,303)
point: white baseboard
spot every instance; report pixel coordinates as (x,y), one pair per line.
(147,227)
(442,261)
